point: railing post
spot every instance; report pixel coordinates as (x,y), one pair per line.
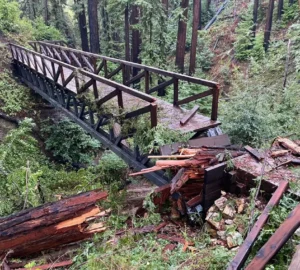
(176,92)
(147,81)
(120,99)
(124,77)
(215,102)
(153,112)
(95,89)
(105,68)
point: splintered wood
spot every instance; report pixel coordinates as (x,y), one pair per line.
(188,166)
(52,225)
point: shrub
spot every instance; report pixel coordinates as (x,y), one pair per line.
(45,32)
(14,96)
(68,142)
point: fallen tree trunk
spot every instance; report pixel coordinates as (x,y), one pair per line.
(51,225)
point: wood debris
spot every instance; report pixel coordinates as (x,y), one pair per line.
(51,225)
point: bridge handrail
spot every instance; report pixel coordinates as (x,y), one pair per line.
(19,53)
(89,60)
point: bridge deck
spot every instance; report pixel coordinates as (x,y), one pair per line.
(168,114)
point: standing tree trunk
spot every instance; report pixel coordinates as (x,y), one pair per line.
(93,25)
(136,38)
(181,37)
(127,41)
(200,10)
(83,27)
(268,27)
(208,4)
(280,9)
(46,12)
(165,4)
(196,20)
(255,16)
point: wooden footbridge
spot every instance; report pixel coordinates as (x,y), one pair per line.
(61,75)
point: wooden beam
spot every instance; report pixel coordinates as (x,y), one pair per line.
(135,78)
(276,241)
(161,86)
(295,264)
(244,250)
(190,114)
(197,96)
(111,95)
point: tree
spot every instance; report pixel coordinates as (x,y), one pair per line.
(136,37)
(181,36)
(196,20)
(46,12)
(255,16)
(165,4)
(82,26)
(93,25)
(268,27)
(127,39)
(280,9)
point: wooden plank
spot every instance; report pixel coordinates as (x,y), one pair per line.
(85,60)
(276,241)
(295,264)
(221,140)
(195,201)
(135,78)
(254,152)
(197,96)
(113,73)
(244,250)
(138,112)
(176,178)
(190,114)
(161,86)
(49,266)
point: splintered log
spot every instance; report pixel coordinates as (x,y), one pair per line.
(51,225)
(279,153)
(286,143)
(276,241)
(180,163)
(244,250)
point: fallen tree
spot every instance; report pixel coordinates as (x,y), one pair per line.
(51,225)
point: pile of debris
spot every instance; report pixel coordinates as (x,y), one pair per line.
(187,186)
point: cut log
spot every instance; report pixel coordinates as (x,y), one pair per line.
(51,225)
(287,143)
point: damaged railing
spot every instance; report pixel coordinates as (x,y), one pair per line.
(154,79)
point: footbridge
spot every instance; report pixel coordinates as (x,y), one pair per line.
(84,85)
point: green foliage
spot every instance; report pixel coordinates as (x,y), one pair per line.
(150,139)
(111,168)
(68,142)
(14,97)
(244,37)
(19,163)
(204,54)
(9,16)
(41,31)
(290,13)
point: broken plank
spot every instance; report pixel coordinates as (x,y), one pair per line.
(287,143)
(190,114)
(276,241)
(195,201)
(244,250)
(221,140)
(254,152)
(176,179)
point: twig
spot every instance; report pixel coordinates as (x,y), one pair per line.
(4,259)
(26,194)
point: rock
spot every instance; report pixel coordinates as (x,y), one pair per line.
(213,219)
(228,212)
(221,203)
(229,221)
(234,239)
(222,234)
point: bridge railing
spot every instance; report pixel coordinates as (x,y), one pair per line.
(132,73)
(79,81)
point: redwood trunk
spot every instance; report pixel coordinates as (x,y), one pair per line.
(136,38)
(280,9)
(268,27)
(255,16)
(127,40)
(165,4)
(196,20)
(46,12)
(83,29)
(181,37)
(93,25)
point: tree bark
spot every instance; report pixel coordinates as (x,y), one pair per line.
(127,41)
(268,27)
(280,9)
(208,4)
(165,4)
(93,25)
(255,16)
(181,37)
(83,27)
(46,12)
(136,37)
(196,20)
